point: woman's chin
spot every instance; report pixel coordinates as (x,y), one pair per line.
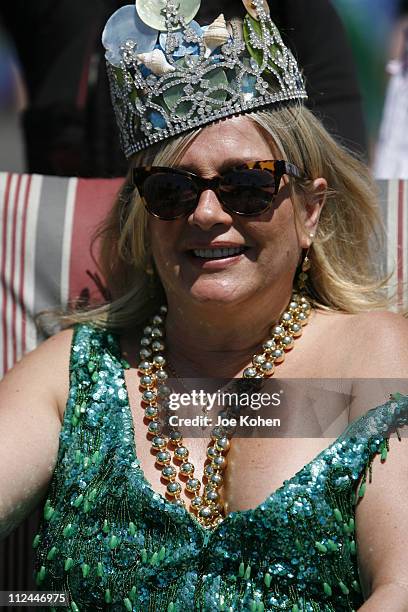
(203,293)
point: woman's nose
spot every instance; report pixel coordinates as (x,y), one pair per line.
(209,211)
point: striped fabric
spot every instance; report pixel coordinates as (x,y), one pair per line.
(45,228)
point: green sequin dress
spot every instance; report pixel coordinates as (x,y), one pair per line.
(113,543)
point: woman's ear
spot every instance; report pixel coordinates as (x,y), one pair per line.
(313,205)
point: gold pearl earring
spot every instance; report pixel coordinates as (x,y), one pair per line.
(306,265)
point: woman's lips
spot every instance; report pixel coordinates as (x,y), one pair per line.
(218,261)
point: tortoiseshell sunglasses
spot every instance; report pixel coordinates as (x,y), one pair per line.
(248,189)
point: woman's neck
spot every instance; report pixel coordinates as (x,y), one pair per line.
(203,341)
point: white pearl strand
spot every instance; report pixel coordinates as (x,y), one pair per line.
(153,378)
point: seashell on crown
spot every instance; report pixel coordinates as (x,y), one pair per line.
(169,75)
(216,35)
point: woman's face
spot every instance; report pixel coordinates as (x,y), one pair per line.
(269,246)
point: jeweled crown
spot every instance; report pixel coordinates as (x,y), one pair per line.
(168,74)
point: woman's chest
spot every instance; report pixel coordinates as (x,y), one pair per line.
(266,453)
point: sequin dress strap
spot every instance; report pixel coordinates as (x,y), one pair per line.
(369,436)
(91,355)
(381,421)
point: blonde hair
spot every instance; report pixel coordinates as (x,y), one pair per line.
(343,275)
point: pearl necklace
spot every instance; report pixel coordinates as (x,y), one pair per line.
(207,506)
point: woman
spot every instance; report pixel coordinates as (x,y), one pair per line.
(210,262)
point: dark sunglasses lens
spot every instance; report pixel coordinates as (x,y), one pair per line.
(247,191)
(169,195)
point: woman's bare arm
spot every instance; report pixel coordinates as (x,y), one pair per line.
(382,532)
(30,407)
(382,514)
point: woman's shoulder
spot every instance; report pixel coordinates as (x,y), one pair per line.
(47,367)
(365,318)
(376,347)
(375,342)
(54,356)
(380,341)
(387,318)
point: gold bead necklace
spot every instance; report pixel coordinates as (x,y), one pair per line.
(207,505)
(204,404)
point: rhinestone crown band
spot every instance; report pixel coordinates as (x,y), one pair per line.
(168,74)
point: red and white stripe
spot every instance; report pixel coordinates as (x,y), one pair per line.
(28,330)
(67,239)
(15,258)
(83,204)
